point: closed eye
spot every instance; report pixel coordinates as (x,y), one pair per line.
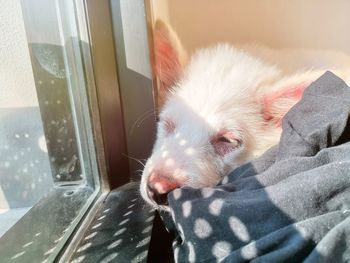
(225,142)
(224,139)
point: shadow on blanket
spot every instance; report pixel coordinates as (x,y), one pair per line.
(290,205)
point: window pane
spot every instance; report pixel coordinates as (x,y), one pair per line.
(48,169)
(24,162)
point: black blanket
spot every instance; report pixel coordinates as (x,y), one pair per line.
(290,205)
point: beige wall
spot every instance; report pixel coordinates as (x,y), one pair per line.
(316,24)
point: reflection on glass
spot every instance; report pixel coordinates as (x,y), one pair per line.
(25,174)
(47,162)
(56,112)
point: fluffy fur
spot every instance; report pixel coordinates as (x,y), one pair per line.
(220,109)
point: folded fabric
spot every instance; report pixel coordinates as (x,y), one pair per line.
(290,205)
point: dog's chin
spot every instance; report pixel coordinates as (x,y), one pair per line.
(154,204)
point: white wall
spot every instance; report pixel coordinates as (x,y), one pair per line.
(317,24)
(17,87)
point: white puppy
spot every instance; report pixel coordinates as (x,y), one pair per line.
(220,109)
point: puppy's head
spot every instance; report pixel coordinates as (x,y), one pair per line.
(211,120)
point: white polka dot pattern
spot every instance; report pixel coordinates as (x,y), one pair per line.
(202,228)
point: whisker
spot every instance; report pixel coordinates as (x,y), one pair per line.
(135,159)
(140,120)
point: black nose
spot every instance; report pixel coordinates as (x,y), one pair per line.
(159,198)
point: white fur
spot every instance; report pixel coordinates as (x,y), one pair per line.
(221,89)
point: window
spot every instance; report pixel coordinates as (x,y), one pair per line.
(48,168)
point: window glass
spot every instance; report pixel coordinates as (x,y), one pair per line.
(48,169)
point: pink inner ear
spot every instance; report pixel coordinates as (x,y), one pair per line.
(167,66)
(270,101)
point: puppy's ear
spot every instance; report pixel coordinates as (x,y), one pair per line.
(170,58)
(286,92)
(283,95)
